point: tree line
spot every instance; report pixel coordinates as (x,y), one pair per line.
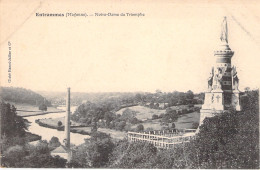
(21,95)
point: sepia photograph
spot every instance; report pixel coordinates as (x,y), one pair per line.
(113,84)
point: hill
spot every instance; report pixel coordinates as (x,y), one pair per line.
(22,96)
(78,98)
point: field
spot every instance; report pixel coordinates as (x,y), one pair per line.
(113,133)
(183,122)
(142,113)
(186,120)
(54,122)
(27,110)
(145,113)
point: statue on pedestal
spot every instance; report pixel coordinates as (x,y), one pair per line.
(235,78)
(218,79)
(224,31)
(210,79)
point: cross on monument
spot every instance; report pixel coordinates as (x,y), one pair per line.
(218,98)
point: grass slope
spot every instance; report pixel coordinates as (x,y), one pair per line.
(142,113)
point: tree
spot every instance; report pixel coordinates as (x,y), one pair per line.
(59,123)
(140,128)
(30,156)
(228,140)
(94,127)
(134,120)
(155,117)
(109,116)
(138,97)
(11,124)
(120,125)
(43,107)
(132,155)
(189,95)
(54,143)
(94,152)
(247,89)
(13,155)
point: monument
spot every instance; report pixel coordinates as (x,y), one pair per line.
(222,93)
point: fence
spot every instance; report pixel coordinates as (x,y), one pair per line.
(163,139)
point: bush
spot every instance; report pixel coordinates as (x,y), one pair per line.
(140,128)
(54,143)
(120,125)
(59,123)
(43,107)
(155,117)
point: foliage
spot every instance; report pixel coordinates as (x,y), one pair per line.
(30,156)
(140,128)
(120,125)
(59,123)
(229,140)
(155,117)
(21,95)
(15,152)
(54,143)
(43,107)
(94,152)
(132,155)
(11,124)
(104,110)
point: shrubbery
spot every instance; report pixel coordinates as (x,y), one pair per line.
(228,140)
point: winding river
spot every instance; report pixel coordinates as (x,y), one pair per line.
(47,133)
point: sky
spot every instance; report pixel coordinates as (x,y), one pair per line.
(170,48)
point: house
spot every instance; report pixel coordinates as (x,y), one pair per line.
(60,151)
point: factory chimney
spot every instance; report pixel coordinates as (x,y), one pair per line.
(67,125)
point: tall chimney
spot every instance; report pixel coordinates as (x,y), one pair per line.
(67,124)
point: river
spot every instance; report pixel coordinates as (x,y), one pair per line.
(47,133)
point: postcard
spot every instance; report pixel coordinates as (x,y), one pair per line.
(129,84)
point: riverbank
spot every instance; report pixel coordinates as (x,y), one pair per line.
(40,113)
(26,110)
(77,128)
(53,124)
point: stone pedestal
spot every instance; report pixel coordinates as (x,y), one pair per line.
(217,100)
(213,103)
(207,101)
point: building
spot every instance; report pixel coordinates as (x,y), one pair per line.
(223,92)
(60,151)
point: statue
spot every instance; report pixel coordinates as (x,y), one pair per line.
(235,78)
(218,78)
(210,79)
(224,31)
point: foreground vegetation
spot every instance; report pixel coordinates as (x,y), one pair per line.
(229,140)
(15,148)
